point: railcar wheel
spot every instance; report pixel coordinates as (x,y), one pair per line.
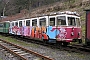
(80,40)
(65,43)
(59,43)
(45,41)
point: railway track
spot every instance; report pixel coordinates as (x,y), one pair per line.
(20,52)
(78,48)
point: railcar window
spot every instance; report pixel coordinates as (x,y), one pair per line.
(61,20)
(71,21)
(42,22)
(4,24)
(1,25)
(16,23)
(34,22)
(78,22)
(20,24)
(28,23)
(52,21)
(12,24)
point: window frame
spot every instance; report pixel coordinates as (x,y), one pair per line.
(49,20)
(14,22)
(29,22)
(78,21)
(72,21)
(19,23)
(1,24)
(45,20)
(65,20)
(34,19)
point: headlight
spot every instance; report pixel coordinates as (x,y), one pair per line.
(78,33)
(72,33)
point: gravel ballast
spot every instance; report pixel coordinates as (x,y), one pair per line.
(56,54)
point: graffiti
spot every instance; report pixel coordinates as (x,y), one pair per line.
(34,32)
(39,32)
(62,33)
(56,32)
(15,29)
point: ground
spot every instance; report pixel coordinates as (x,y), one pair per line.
(57,54)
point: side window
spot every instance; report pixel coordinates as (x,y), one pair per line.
(42,22)
(78,22)
(20,23)
(34,22)
(12,23)
(28,23)
(71,21)
(1,24)
(61,20)
(52,21)
(16,23)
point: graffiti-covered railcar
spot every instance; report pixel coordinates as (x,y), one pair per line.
(57,27)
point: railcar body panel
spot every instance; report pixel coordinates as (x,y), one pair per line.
(1,27)
(88,27)
(6,27)
(66,34)
(12,27)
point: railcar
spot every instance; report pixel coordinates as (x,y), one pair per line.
(4,27)
(87,40)
(61,27)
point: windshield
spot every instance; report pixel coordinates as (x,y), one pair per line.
(71,21)
(61,20)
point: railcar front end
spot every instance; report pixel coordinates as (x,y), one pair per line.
(64,28)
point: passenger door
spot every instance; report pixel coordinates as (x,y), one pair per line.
(42,28)
(61,28)
(51,29)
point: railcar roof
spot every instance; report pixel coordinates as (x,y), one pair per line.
(18,16)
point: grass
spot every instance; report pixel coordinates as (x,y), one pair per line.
(15,41)
(79,55)
(0,59)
